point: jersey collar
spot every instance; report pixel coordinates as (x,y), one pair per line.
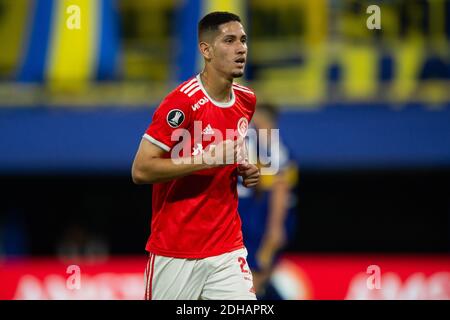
(217,103)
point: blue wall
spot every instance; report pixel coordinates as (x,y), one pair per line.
(369,136)
(104,140)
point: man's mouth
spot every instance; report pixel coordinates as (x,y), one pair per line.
(240,61)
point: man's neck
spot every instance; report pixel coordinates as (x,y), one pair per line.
(217,87)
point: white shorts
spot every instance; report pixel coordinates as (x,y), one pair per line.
(223,277)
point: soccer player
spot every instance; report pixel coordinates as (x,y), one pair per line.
(268,211)
(196,248)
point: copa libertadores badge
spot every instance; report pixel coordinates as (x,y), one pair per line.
(175,118)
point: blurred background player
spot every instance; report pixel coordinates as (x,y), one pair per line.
(268,211)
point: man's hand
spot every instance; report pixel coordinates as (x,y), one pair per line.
(224,153)
(250,174)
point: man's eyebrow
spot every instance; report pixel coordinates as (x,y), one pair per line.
(234,36)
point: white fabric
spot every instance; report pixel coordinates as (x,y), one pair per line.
(223,277)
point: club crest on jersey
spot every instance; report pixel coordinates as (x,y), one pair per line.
(242,126)
(175,118)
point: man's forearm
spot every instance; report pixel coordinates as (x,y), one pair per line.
(150,166)
(157,170)
(278,203)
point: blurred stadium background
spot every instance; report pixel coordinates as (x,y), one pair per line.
(365,112)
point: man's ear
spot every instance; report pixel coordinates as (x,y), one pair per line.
(205,50)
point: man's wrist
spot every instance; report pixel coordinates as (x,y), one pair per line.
(202,161)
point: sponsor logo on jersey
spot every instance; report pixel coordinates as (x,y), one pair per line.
(175,118)
(201,102)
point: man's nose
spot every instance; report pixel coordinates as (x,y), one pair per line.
(242,48)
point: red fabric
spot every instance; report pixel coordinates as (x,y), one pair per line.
(147,270)
(152,268)
(196,216)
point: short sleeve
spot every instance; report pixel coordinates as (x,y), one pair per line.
(173,113)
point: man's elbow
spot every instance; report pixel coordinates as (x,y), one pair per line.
(136,176)
(139,176)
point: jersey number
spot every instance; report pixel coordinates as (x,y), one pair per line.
(242,263)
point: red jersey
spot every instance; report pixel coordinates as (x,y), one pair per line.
(196,216)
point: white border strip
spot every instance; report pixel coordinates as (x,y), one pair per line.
(194,91)
(214,102)
(156,142)
(241,86)
(240,89)
(188,84)
(192,86)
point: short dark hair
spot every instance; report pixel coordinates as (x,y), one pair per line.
(213,20)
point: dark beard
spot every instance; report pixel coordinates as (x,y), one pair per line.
(237,74)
